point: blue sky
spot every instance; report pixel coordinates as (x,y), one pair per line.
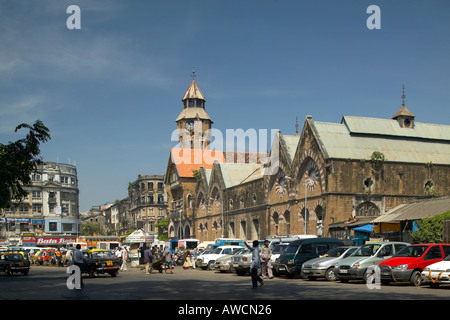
(111,91)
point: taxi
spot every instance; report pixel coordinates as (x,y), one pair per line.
(100,261)
(11,262)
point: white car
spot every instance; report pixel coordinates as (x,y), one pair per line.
(207,261)
(437,273)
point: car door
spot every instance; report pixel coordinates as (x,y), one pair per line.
(386,251)
(434,254)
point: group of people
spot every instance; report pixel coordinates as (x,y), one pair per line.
(260,259)
(122,254)
(167,258)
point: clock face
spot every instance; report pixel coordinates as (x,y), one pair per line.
(190,125)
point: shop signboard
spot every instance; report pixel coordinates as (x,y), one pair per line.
(54,241)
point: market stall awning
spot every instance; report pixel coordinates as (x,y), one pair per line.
(366,228)
(139,236)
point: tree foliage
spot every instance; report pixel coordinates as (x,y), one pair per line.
(18,160)
(430,229)
(89,228)
(163,227)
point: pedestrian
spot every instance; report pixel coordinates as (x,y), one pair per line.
(124,259)
(148,259)
(256,263)
(79,261)
(58,257)
(266,265)
(187,260)
(193,258)
(167,259)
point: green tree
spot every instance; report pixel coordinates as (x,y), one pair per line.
(18,160)
(430,229)
(91,228)
(163,227)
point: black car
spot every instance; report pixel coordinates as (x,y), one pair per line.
(100,261)
(11,262)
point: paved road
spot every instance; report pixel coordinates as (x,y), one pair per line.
(49,283)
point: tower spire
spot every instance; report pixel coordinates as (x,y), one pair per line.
(403,96)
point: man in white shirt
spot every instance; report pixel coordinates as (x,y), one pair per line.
(256,263)
(78,260)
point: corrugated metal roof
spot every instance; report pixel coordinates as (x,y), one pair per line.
(358,138)
(234,174)
(416,210)
(291,142)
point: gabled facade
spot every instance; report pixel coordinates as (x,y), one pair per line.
(329,179)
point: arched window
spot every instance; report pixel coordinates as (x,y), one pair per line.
(367,209)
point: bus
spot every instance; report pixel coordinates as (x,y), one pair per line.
(190,244)
(228,242)
(93,240)
(73,245)
(108,245)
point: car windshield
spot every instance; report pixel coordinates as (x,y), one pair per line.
(291,249)
(367,250)
(14,257)
(217,250)
(336,252)
(412,251)
(447,258)
(279,249)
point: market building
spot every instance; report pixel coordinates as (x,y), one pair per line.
(331,178)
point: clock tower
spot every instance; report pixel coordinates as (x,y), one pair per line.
(193,121)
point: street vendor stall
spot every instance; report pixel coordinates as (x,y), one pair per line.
(136,241)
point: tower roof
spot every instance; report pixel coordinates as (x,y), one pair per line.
(193,92)
(403,111)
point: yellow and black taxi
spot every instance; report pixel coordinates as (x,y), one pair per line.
(100,261)
(12,262)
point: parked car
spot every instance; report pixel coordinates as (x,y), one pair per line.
(100,261)
(242,261)
(45,257)
(274,258)
(370,254)
(300,251)
(408,263)
(437,273)
(11,262)
(207,261)
(323,266)
(224,264)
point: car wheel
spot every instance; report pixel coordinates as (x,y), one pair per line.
(416,278)
(211,265)
(330,275)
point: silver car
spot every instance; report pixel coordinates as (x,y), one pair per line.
(323,267)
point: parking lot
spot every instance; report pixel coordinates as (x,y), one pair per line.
(50,283)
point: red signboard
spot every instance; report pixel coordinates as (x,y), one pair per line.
(54,241)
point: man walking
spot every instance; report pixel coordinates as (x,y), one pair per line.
(78,260)
(266,265)
(256,262)
(148,260)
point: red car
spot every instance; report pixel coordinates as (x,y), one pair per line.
(409,262)
(46,257)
